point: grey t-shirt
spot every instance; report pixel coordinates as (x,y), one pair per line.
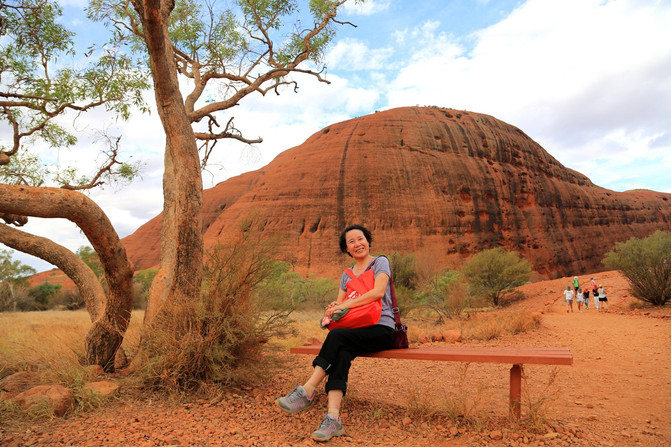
(381,265)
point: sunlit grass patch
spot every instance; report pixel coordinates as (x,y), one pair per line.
(50,342)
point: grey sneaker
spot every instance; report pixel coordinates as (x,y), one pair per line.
(329,428)
(296,400)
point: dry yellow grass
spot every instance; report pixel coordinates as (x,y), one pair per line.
(50,341)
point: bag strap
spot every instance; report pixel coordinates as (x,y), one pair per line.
(349,272)
(394,304)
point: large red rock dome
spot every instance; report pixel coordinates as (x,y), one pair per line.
(441,183)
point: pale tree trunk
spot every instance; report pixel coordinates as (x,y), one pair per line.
(86,281)
(179,276)
(106,333)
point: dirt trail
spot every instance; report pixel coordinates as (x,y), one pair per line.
(617,393)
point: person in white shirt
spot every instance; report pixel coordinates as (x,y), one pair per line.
(579,299)
(595,293)
(603,300)
(568,294)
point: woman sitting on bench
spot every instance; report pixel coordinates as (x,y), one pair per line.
(344,344)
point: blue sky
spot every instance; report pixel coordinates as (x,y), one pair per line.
(589,80)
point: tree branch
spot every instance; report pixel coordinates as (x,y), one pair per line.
(86,281)
(95,181)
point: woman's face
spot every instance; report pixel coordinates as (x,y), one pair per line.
(357,244)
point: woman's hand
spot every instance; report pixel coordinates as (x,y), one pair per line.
(330,309)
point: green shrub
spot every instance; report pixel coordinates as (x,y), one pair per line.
(141,283)
(404,270)
(285,288)
(496,272)
(406,299)
(67,299)
(646,263)
(445,294)
(319,292)
(42,293)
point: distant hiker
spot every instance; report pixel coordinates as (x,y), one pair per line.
(568,294)
(576,284)
(603,299)
(595,293)
(585,297)
(579,299)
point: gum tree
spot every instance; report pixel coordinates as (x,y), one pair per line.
(41,87)
(225,55)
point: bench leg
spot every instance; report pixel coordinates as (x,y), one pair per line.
(515,391)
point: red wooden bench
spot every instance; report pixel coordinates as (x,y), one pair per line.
(517,357)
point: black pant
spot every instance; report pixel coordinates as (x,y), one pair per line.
(344,345)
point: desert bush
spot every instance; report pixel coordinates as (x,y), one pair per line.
(75,377)
(495,272)
(14,297)
(66,299)
(445,294)
(484,328)
(217,339)
(406,299)
(141,283)
(466,407)
(6,298)
(520,322)
(318,292)
(9,410)
(42,294)
(284,287)
(404,270)
(479,325)
(23,302)
(646,263)
(280,287)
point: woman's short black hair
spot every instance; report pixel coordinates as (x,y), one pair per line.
(343,242)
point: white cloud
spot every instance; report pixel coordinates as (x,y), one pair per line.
(354,55)
(366,8)
(576,75)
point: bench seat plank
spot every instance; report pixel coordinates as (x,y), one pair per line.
(515,356)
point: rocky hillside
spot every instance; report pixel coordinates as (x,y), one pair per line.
(443,184)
